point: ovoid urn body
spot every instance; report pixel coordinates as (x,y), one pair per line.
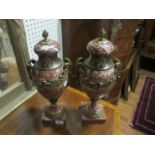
(49,74)
(97,73)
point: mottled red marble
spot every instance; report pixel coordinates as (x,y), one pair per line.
(100,47)
(47,50)
(47,74)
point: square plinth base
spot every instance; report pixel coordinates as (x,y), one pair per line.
(53,122)
(86,119)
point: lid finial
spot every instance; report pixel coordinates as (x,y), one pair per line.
(45,34)
(103,33)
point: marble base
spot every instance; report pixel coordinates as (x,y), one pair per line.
(53,122)
(86,119)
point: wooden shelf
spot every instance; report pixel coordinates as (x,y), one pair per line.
(27,118)
(147,55)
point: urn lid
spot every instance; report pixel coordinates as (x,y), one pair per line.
(100,46)
(46,47)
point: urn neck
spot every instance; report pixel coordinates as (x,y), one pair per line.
(97,62)
(48,63)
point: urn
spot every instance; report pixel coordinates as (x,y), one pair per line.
(97,75)
(50,75)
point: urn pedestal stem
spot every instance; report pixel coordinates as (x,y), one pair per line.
(54,111)
(94,111)
(53,102)
(94,103)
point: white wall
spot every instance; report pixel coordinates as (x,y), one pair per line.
(34,29)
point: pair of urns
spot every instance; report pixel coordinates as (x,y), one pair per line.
(97,75)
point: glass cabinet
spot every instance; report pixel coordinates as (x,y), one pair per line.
(9,73)
(15,86)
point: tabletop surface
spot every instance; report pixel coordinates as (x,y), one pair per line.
(26,120)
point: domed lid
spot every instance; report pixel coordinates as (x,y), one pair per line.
(47,47)
(100,46)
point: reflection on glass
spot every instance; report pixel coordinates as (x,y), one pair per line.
(9,74)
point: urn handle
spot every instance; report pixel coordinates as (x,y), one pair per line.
(67,63)
(79,66)
(30,68)
(117,64)
(79,62)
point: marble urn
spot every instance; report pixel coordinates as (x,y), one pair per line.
(50,76)
(97,75)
